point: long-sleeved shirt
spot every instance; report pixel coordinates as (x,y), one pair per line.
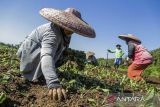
(138,53)
(118,53)
(41,51)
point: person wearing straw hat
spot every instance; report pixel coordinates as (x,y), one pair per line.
(138,56)
(91,59)
(42,51)
(118,54)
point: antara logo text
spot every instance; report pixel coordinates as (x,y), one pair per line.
(114,98)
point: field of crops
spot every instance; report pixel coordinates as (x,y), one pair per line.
(86,85)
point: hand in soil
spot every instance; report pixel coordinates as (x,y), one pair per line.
(57,94)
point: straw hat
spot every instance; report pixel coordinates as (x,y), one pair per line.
(89,54)
(129,37)
(69,19)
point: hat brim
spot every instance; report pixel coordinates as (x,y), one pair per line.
(68,21)
(89,54)
(126,37)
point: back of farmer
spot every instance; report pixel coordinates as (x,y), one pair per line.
(138,56)
(118,55)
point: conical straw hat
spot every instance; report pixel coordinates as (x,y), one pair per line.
(69,19)
(89,54)
(129,37)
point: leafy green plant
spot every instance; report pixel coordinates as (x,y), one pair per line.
(92,101)
(87,83)
(3,97)
(4,78)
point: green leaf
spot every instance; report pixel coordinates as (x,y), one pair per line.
(3,97)
(72,81)
(123,79)
(6,77)
(105,91)
(93,101)
(23,94)
(3,81)
(98,88)
(149,101)
(151,95)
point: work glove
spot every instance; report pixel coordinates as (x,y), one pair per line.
(57,94)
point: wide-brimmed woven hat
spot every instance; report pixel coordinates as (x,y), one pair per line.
(89,54)
(69,19)
(130,37)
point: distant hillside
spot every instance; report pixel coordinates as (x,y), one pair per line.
(8,45)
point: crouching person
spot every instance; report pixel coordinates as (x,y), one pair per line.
(43,49)
(91,59)
(138,57)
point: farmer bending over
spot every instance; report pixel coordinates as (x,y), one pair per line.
(43,49)
(118,54)
(139,57)
(91,59)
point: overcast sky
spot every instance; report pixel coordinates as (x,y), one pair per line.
(109,18)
